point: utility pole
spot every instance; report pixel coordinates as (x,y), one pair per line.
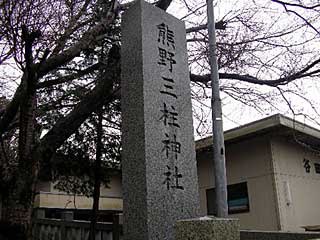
(217,127)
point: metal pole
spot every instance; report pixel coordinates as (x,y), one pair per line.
(217,128)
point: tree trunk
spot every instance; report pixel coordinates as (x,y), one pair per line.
(18,204)
(20,199)
(97,178)
(15,217)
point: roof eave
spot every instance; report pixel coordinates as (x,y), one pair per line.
(257,127)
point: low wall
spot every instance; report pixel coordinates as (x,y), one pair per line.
(67,228)
(268,235)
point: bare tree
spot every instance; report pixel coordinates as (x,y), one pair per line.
(263,51)
(43,37)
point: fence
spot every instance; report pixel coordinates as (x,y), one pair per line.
(67,228)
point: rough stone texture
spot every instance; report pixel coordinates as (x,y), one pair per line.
(150,208)
(276,235)
(207,229)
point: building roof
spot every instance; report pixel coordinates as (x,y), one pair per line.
(277,124)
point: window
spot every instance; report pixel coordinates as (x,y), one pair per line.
(238,199)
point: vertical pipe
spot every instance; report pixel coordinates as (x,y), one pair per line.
(217,127)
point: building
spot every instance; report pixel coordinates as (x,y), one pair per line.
(273,174)
(54,201)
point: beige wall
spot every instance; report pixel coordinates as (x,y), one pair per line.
(298,191)
(247,161)
(65,201)
(111,198)
(115,188)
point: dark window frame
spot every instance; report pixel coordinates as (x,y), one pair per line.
(238,193)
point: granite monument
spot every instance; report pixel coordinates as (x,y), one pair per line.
(159,172)
(207,228)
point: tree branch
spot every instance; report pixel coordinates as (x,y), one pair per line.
(69,78)
(163,4)
(51,64)
(285,6)
(221,25)
(296,5)
(250,79)
(84,43)
(66,126)
(70,29)
(27,81)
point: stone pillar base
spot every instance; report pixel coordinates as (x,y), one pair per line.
(207,228)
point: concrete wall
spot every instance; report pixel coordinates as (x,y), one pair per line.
(110,198)
(114,188)
(65,201)
(298,191)
(247,161)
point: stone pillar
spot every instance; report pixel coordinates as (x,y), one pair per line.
(207,228)
(160,184)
